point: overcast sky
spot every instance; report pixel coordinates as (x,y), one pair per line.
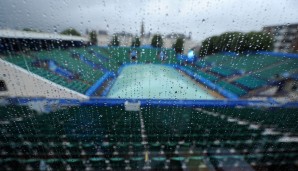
(202,18)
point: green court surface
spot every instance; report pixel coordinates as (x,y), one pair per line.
(155,82)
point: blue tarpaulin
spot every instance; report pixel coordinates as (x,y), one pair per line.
(99,83)
(59,70)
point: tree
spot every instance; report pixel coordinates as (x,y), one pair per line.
(93,37)
(236,42)
(71,31)
(136,42)
(157,41)
(179,45)
(115,41)
(259,41)
(205,48)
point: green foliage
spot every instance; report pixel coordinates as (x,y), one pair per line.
(259,41)
(115,41)
(179,45)
(157,41)
(93,37)
(236,42)
(136,42)
(71,31)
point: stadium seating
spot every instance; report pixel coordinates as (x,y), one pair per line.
(202,64)
(120,55)
(64,58)
(87,75)
(239,74)
(250,82)
(78,86)
(232,88)
(247,62)
(203,74)
(284,69)
(251,71)
(225,72)
(98,138)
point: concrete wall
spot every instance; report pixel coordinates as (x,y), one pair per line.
(21,83)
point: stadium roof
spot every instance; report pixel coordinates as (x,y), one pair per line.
(16,34)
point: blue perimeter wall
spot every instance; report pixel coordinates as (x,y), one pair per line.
(208,83)
(149,102)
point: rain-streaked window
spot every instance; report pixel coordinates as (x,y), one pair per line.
(149,85)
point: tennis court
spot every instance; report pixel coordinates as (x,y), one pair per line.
(155,82)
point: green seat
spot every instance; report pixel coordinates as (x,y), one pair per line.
(56,164)
(222,71)
(89,149)
(33,163)
(117,163)
(158,163)
(122,148)
(58,149)
(137,163)
(251,82)
(185,148)
(14,164)
(98,163)
(207,76)
(24,149)
(40,148)
(176,163)
(196,163)
(232,88)
(74,150)
(155,147)
(170,148)
(138,148)
(75,164)
(107,149)
(253,159)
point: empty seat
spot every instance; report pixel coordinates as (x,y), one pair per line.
(170,148)
(24,150)
(33,164)
(58,149)
(156,147)
(13,164)
(107,149)
(74,149)
(41,149)
(122,148)
(7,151)
(158,163)
(98,163)
(138,148)
(56,164)
(137,163)
(176,163)
(75,164)
(89,149)
(117,163)
(196,163)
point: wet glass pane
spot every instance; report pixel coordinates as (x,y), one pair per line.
(149,85)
